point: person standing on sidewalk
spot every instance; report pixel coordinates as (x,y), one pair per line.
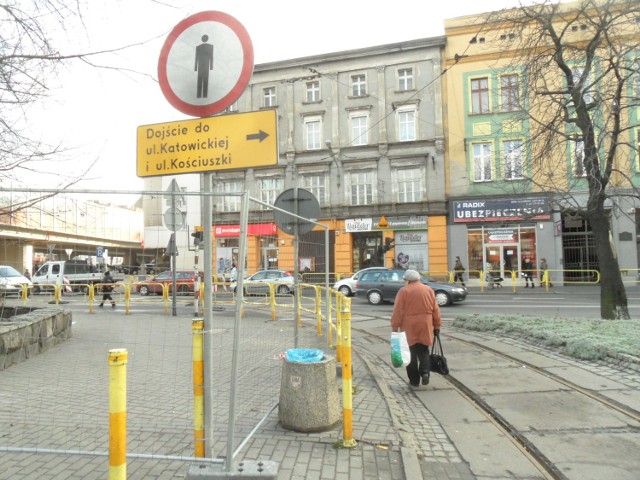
(107,288)
(458,268)
(417,313)
(527,271)
(543,269)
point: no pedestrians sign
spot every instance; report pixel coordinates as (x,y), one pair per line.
(205,63)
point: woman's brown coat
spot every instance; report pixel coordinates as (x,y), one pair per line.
(417,313)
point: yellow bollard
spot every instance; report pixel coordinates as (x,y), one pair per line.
(347,382)
(92,297)
(197,326)
(127,298)
(118,414)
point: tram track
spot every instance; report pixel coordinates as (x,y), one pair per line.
(520,439)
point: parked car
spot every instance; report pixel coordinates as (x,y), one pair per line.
(258,283)
(382,286)
(11,281)
(185,280)
(347,286)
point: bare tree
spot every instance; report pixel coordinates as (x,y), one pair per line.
(581,67)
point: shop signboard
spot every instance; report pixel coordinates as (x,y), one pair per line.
(501,209)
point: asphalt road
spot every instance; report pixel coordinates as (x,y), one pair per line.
(537,302)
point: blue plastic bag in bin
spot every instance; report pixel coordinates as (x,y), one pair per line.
(305,355)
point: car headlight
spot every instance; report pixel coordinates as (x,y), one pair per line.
(458,289)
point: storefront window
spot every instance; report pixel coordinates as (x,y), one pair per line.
(501,249)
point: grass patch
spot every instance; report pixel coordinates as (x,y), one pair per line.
(586,339)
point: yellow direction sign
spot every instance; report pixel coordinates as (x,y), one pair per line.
(208,144)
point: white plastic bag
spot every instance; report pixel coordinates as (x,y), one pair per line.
(400,353)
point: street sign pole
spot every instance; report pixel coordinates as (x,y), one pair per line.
(174,309)
(208,320)
(296,267)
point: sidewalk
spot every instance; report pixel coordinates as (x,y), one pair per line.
(56,402)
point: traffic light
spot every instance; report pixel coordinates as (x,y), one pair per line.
(388,244)
(198,236)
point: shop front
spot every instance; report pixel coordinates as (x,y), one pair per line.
(262,246)
(400,241)
(499,234)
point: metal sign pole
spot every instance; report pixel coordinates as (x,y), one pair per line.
(296,268)
(208,320)
(174,306)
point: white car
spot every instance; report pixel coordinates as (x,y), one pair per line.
(347,286)
(11,281)
(258,283)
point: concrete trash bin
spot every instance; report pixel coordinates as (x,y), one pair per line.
(309,395)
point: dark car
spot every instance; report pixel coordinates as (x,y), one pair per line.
(185,280)
(382,286)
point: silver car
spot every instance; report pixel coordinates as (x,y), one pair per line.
(11,281)
(258,283)
(347,286)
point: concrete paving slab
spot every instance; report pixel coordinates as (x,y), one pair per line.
(553,411)
(501,377)
(585,379)
(628,397)
(489,452)
(592,455)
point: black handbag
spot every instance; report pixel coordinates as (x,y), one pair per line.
(437,359)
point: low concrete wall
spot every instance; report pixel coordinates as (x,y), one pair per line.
(32,331)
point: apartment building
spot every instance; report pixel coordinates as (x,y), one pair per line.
(363,131)
(515,191)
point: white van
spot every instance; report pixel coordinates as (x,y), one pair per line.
(55,273)
(11,281)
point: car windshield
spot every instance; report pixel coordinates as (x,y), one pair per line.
(9,272)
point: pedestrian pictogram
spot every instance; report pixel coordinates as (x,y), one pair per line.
(205,63)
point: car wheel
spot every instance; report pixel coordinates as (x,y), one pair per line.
(144,290)
(345,290)
(183,289)
(282,290)
(443,298)
(374,297)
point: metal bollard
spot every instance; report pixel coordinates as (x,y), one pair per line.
(197,326)
(118,414)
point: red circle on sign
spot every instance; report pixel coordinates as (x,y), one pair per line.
(198,110)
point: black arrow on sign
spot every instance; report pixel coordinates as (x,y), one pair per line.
(258,136)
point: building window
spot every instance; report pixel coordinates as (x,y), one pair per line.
(359,128)
(232,108)
(479,95)
(316,183)
(482,157)
(269,97)
(512,159)
(510,92)
(270,188)
(358,85)
(312,132)
(410,185)
(362,183)
(313,91)
(231,203)
(578,159)
(406,123)
(405,79)
(587,95)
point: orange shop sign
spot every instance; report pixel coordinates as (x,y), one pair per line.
(253,229)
